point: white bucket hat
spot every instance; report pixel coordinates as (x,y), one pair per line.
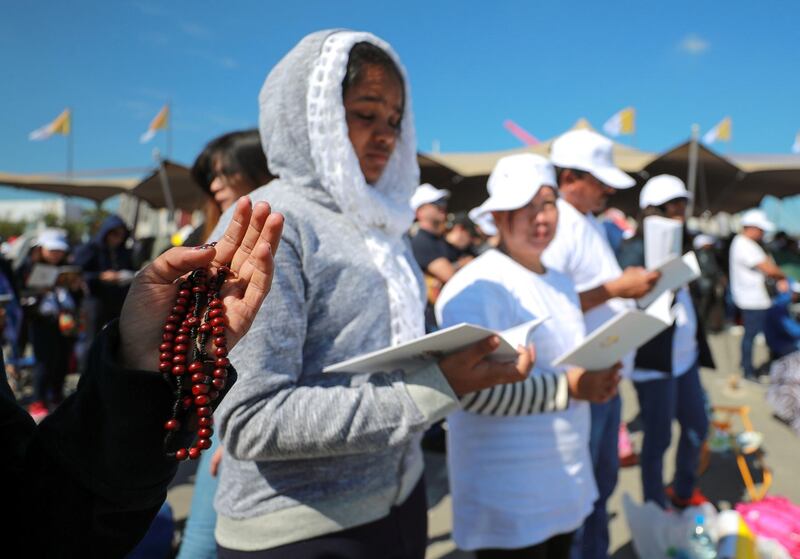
(661,189)
(514,182)
(757,218)
(588,151)
(428,194)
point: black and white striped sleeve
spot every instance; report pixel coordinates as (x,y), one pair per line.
(543,393)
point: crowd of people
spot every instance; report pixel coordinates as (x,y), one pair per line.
(311,464)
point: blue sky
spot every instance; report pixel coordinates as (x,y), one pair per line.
(472,65)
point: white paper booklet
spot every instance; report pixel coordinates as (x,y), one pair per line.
(663,240)
(677,272)
(435,346)
(617,337)
(45,276)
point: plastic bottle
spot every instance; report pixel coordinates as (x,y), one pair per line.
(700,544)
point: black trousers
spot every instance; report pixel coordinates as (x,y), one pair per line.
(557,547)
(403,534)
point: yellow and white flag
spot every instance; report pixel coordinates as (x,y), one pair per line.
(623,122)
(160,122)
(796,145)
(61,125)
(722,132)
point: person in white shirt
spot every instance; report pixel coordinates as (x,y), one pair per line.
(666,370)
(749,268)
(587,178)
(518,456)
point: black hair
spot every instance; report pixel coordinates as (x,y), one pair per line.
(363,54)
(577,172)
(240,152)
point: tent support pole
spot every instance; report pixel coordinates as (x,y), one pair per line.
(162,174)
(692,174)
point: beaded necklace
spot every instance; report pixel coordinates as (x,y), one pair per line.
(197,316)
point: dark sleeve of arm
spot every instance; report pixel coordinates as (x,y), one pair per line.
(631,253)
(544,393)
(101,472)
(425,251)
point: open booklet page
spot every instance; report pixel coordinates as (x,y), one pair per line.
(437,345)
(620,335)
(663,240)
(675,273)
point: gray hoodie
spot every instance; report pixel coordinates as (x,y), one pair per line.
(308,453)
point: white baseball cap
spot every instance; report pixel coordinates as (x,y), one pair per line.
(588,151)
(428,194)
(484,221)
(661,189)
(757,218)
(702,240)
(514,182)
(52,239)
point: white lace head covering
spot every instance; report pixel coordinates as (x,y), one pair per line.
(305,137)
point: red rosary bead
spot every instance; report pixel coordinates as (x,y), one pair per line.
(172,425)
(218,383)
(205,433)
(198,377)
(200,389)
(182,339)
(204,411)
(182,301)
(167,336)
(205,327)
(219,321)
(215,304)
(166,346)
(178,370)
(179,359)
(182,454)
(203,443)
(220,341)
(179,309)
(218,331)
(165,367)
(220,373)
(221,352)
(201,400)
(184,293)
(195,366)
(222,362)
(194,453)
(205,421)
(166,356)
(187,402)
(181,348)
(170,327)
(214,313)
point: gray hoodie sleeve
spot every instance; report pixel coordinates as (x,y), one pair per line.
(276,411)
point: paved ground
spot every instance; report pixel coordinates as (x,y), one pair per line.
(721,482)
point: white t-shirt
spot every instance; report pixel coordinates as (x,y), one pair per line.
(684,340)
(747,282)
(581,250)
(517,480)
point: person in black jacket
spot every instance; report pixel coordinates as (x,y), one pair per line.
(90,478)
(666,369)
(107,265)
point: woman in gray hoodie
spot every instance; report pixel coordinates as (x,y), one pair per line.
(330,463)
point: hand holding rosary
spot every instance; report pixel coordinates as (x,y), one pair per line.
(205,299)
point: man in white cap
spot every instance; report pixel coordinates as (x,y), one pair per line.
(749,268)
(587,178)
(428,245)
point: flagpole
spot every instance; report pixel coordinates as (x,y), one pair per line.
(169,129)
(691,181)
(70,147)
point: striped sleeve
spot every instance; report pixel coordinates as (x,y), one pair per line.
(544,393)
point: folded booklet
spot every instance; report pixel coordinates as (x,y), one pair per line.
(45,276)
(433,347)
(619,336)
(675,273)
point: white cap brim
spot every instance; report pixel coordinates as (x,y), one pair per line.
(613,177)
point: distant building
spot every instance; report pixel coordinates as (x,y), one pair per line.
(33,209)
